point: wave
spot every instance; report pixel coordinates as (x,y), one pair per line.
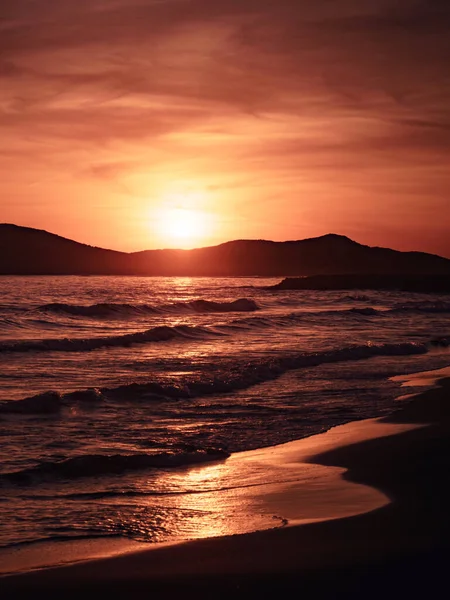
(167,333)
(265,321)
(8,324)
(91,465)
(46,403)
(241,378)
(156,334)
(425,307)
(111,310)
(354,298)
(418,307)
(366,312)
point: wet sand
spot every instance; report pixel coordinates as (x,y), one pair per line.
(389,548)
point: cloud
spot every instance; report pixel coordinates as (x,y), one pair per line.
(330,89)
(254,56)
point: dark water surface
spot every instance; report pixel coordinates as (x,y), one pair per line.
(110,384)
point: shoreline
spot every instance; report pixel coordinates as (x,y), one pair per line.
(407,464)
(298,491)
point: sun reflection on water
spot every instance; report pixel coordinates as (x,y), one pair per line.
(219,512)
(212,504)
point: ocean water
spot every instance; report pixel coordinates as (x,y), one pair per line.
(114,390)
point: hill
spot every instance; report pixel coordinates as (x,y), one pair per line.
(26,251)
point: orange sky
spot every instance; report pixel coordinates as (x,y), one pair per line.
(235,118)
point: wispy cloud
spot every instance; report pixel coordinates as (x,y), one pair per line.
(311,97)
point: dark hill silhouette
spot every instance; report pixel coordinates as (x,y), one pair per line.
(26,251)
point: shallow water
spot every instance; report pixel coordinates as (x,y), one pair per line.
(150,374)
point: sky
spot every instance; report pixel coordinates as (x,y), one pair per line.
(135,124)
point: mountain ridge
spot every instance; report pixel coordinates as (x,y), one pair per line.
(29,251)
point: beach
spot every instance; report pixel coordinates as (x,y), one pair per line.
(399,538)
(224,299)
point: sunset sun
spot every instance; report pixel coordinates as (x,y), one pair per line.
(184,227)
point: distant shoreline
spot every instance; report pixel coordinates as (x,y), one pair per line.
(426,284)
(429,284)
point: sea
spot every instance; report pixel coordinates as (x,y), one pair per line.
(118,393)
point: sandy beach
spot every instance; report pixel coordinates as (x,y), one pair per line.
(367,513)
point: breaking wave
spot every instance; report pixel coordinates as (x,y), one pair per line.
(91,465)
(183,332)
(111,310)
(156,334)
(240,378)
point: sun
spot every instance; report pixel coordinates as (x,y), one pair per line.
(184,227)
